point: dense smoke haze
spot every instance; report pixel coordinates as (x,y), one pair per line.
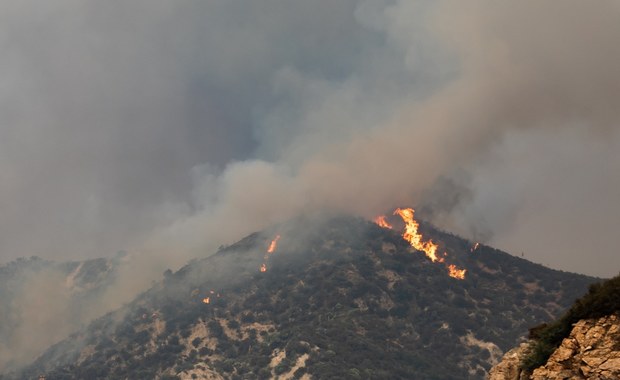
(168,128)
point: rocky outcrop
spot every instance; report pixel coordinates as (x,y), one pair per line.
(592,351)
(509,367)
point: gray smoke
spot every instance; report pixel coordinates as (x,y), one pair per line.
(169,128)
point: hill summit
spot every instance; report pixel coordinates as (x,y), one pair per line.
(317,298)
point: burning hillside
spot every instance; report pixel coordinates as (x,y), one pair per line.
(414,237)
(344,298)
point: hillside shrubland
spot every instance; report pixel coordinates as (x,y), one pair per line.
(341,299)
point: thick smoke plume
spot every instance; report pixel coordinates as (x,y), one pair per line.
(169,128)
(528,107)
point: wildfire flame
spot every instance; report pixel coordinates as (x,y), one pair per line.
(475,247)
(414,237)
(453,271)
(273,245)
(381,222)
(206,300)
(272,248)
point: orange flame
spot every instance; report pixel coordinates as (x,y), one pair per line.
(414,237)
(273,245)
(381,222)
(206,300)
(272,248)
(454,272)
(475,247)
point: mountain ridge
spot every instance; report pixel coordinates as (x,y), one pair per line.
(341,298)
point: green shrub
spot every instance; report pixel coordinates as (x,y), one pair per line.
(601,300)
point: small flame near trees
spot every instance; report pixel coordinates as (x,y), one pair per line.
(273,245)
(207,300)
(475,247)
(453,271)
(272,248)
(415,238)
(381,222)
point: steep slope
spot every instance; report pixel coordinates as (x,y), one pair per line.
(42,302)
(592,350)
(584,343)
(339,298)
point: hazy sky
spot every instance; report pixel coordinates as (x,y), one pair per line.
(177,126)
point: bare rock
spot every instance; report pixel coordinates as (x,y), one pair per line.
(509,368)
(592,351)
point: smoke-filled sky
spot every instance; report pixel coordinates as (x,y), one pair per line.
(176,126)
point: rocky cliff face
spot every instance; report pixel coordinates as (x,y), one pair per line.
(592,351)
